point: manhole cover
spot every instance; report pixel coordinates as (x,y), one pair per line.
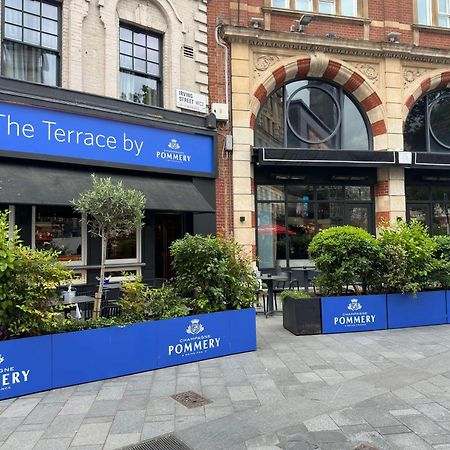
(167,442)
(190,399)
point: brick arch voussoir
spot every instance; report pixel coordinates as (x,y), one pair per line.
(351,81)
(428,83)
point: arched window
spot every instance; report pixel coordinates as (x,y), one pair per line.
(311,114)
(427,127)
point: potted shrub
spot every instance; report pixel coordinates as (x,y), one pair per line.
(409,265)
(213,318)
(301,312)
(349,262)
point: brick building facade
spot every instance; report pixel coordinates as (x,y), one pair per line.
(389,60)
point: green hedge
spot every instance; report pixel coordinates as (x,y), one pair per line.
(404,258)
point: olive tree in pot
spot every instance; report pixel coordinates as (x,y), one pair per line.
(112,211)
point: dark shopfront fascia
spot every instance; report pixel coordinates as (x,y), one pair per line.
(38,185)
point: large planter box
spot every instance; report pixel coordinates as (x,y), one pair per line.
(427,308)
(25,366)
(302,316)
(353,313)
(46,362)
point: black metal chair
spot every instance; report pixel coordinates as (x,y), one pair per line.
(280,286)
(86,310)
(156,283)
(110,310)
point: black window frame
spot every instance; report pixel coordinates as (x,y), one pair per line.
(429,134)
(429,202)
(159,80)
(337,136)
(58,53)
(314,204)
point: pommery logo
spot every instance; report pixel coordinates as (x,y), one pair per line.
(9,376)
(174,145)
(354,305)
(196,344)
(174,153)
(356,317)
(195,327)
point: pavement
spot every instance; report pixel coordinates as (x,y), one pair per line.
(387,389)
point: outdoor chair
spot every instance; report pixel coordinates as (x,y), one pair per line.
(156,283)
(110,310)
(87,310)
(261,293)
(280,286)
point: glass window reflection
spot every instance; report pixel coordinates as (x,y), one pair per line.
(59,228)
(311,114)
(271,234)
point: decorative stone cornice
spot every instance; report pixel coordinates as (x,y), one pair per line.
(301,42)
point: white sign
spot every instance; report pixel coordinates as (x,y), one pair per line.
(192,101)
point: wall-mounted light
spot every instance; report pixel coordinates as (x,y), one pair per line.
(393,37)
(242,219)
(299,25)
(257,22)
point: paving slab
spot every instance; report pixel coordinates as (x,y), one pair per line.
(389,389)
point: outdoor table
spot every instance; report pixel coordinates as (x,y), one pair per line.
(269,279)
(305,269)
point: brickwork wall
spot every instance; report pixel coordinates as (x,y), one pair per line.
(256,69)
(219,12)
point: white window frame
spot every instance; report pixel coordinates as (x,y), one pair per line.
(120,278)
(359,7)
(355,8)
(138,252)
(446,14)
(286,4)
(433,14)
(71,264)
(331,2)
(429,7)
(300,9)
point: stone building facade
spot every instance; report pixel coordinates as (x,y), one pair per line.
(384,57)
(90,43)
(103,69)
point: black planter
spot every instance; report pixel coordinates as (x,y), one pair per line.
(302,316)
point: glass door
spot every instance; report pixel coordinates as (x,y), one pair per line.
(418,211)
(169,227)
(359,215)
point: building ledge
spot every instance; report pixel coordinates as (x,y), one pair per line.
(299,41)
(430,28)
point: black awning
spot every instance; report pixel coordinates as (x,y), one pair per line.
(431,160)
(291,156)
(42,185)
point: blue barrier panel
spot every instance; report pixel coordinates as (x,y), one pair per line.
(242,330)
(25,366)
(353,313)
(447,295)
(193,338)
(92,355)
(427,308)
